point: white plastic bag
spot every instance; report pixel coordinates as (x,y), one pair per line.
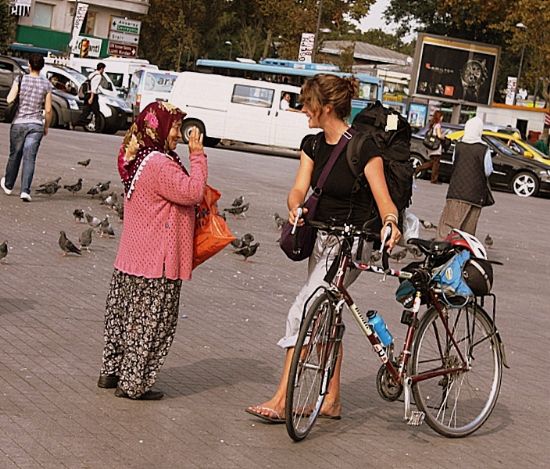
(411,226)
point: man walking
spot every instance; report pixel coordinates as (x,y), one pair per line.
(91,100)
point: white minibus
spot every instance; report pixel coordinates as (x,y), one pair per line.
(238,109)
(148,86)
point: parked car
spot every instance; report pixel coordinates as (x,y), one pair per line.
(511,170)
(65,107)
(419,153)
(115,113)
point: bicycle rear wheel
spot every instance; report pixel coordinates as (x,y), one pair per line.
(312,367)
(457,404)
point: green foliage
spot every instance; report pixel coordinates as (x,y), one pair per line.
(7,26)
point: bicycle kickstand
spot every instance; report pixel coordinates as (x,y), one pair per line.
(413,417)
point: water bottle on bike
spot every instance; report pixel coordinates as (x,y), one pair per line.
(376,321)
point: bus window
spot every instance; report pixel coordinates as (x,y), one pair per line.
(252,95)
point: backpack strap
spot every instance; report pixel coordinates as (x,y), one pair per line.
(353,157)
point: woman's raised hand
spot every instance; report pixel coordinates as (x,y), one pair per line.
(195,141)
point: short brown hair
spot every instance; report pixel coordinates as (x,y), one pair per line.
(325,89)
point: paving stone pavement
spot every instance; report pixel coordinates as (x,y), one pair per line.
(224,357)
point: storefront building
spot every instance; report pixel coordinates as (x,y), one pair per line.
(48,24)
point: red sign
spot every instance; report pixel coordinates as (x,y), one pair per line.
(122,50)
(547,120)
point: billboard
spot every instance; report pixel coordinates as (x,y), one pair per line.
(454,70)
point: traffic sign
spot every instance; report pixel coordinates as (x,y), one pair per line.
(125,25)
(124,38)
(122,50)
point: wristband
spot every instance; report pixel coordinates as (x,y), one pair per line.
(391,217)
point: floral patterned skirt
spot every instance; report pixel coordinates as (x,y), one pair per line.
(140,323)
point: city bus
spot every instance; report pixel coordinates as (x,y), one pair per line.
(294,73)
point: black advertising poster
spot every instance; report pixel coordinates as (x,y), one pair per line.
(455,71)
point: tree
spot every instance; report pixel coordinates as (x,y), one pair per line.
(7,26)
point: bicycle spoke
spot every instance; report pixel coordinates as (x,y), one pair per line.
(459,402)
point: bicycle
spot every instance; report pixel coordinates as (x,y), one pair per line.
(452,357)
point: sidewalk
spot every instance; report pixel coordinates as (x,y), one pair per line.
(224,357)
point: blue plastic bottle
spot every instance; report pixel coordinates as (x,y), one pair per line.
(379,325)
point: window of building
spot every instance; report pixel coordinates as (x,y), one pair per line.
(88,28)
(43,14)
(252,96)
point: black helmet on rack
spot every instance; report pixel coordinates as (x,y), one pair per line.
(478,275)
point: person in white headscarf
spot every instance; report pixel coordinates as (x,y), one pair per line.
(469,189)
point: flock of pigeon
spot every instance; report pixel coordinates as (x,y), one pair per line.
(245,245)
(103,227)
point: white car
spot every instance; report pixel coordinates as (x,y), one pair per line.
(115,113)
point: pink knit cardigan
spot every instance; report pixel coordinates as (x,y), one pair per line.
(159,218)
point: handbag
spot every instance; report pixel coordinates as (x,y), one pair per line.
(11,108)
(431,140)
(211,231)
(299,245)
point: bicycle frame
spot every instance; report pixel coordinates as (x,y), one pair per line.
(399,374)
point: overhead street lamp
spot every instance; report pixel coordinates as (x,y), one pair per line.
(230,44)
(520,26)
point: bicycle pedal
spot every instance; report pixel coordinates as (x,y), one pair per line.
(416,418)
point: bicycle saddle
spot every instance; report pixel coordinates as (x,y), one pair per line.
(429,247)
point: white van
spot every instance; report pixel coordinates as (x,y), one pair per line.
(239,109)
(148,86)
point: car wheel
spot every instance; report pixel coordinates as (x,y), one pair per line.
(54,122)
(525,184)
(188,125)
(94,126)
(416,161)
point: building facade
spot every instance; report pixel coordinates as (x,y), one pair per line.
(48,24)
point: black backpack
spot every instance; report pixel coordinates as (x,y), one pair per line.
(394,145)
(86,86)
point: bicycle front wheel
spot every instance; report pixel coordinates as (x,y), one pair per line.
(458,403)
(312,367)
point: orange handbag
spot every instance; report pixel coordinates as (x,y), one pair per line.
(211,231)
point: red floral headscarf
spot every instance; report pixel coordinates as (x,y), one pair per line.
(148,133)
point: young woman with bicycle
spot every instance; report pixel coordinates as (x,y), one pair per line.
(327,102)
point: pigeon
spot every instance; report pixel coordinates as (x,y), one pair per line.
(93,191)
(238,210)
(85,238)
(85,163)
(103,186)
(279,221)
(428,225)
(110,200)
(74,188)
(49,189)
(3,250)
(94,222)
(78,214)
(67,245)
(489,241)
(248,251)
(119,207)
(245,240)
(238,201)
(414,250)
(399,255)
(105,227)
(375,256)
(53,182)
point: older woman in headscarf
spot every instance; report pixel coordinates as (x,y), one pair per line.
(155,252)
(469,189)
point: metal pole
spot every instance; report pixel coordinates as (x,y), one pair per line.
(316,39)
(519,73)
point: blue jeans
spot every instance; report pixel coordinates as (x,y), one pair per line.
(24,142)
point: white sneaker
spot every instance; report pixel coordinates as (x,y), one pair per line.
(25,197)
(3,185)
